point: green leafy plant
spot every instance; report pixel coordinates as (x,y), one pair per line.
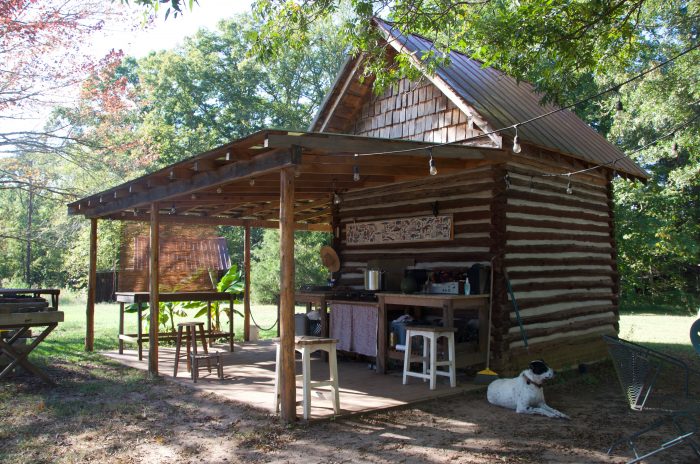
(166,314)
(232,282)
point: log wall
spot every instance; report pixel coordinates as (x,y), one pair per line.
(558,249)
(560,258)
(466,196)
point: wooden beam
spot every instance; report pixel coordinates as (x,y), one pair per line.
(261,164)
(246,276)
(154,284)
(314,214)
(92,281)
(326,143)
(219,221)
(341,94)
(285,371)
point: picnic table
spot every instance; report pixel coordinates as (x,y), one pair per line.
(142,298)
(21,310)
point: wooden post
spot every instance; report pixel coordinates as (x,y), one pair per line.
(246,295)
(92,280)
(287,379)
(154,282)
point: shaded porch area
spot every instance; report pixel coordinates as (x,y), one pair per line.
(249,378)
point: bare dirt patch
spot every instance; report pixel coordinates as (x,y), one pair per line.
(111,414)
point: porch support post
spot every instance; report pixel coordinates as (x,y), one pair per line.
(92,280)
(287,380)
(246,295)
(154,282)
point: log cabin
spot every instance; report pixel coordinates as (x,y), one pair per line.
(548,227)
(432,164)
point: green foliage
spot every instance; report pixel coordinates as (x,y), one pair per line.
(265,268)
(135,116)
(232,282)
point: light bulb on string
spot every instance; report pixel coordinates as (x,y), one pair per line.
(516,142)
(618,105)
(569,190)
(251,182)
(507,179)
(173,210)
(431,163)
(336,198)
(356,173)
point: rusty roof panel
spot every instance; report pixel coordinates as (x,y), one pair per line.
(503,101)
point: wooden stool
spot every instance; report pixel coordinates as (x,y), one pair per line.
(216,357)
(190,334)
(430,336)
(307,345)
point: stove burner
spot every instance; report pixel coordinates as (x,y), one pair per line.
(358,295)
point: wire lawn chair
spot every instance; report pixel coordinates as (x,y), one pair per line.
(695,335)
(637,369)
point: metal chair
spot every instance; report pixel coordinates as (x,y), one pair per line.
(638,369)
(695,335)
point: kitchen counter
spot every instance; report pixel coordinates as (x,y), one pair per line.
(449,304)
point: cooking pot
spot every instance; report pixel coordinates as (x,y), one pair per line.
(373,279)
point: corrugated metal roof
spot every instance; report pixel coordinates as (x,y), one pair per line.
(503,101)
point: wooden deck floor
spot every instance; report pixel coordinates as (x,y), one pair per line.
(249,378)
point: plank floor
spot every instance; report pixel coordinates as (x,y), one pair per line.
(249,378)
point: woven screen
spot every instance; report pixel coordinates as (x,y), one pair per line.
(191,258)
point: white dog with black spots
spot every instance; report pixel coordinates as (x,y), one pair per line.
(524,392)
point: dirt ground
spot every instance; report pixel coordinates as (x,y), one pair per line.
(162,422)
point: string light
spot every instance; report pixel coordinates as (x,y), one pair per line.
(431,163)
(507,179)
(336,198)
(544,115)
(356,173)
(569,190)
(644,147)
(516,143)
(219,190)
(251,182)
(618,107)
(173,210)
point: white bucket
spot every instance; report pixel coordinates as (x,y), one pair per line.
(254,333)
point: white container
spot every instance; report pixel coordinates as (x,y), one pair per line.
(254,333)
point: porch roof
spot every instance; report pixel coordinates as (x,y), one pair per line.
(238,183)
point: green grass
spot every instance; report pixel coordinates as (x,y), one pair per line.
(68,340)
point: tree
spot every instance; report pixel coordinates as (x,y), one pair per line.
(133,116)
(41,60)
(265,266)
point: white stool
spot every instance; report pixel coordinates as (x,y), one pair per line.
(430,336)
(307,345)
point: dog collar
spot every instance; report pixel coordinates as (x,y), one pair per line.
(532,382)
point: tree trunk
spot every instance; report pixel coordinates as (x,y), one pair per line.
(28,252)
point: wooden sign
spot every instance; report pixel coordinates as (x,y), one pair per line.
(400,230)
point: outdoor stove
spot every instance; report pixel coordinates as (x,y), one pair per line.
(340,293)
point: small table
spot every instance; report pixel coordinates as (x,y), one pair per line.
(21,323)
(140,298)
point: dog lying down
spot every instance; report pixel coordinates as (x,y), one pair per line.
(524,392)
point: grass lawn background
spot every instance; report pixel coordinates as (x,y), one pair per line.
(658,331)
